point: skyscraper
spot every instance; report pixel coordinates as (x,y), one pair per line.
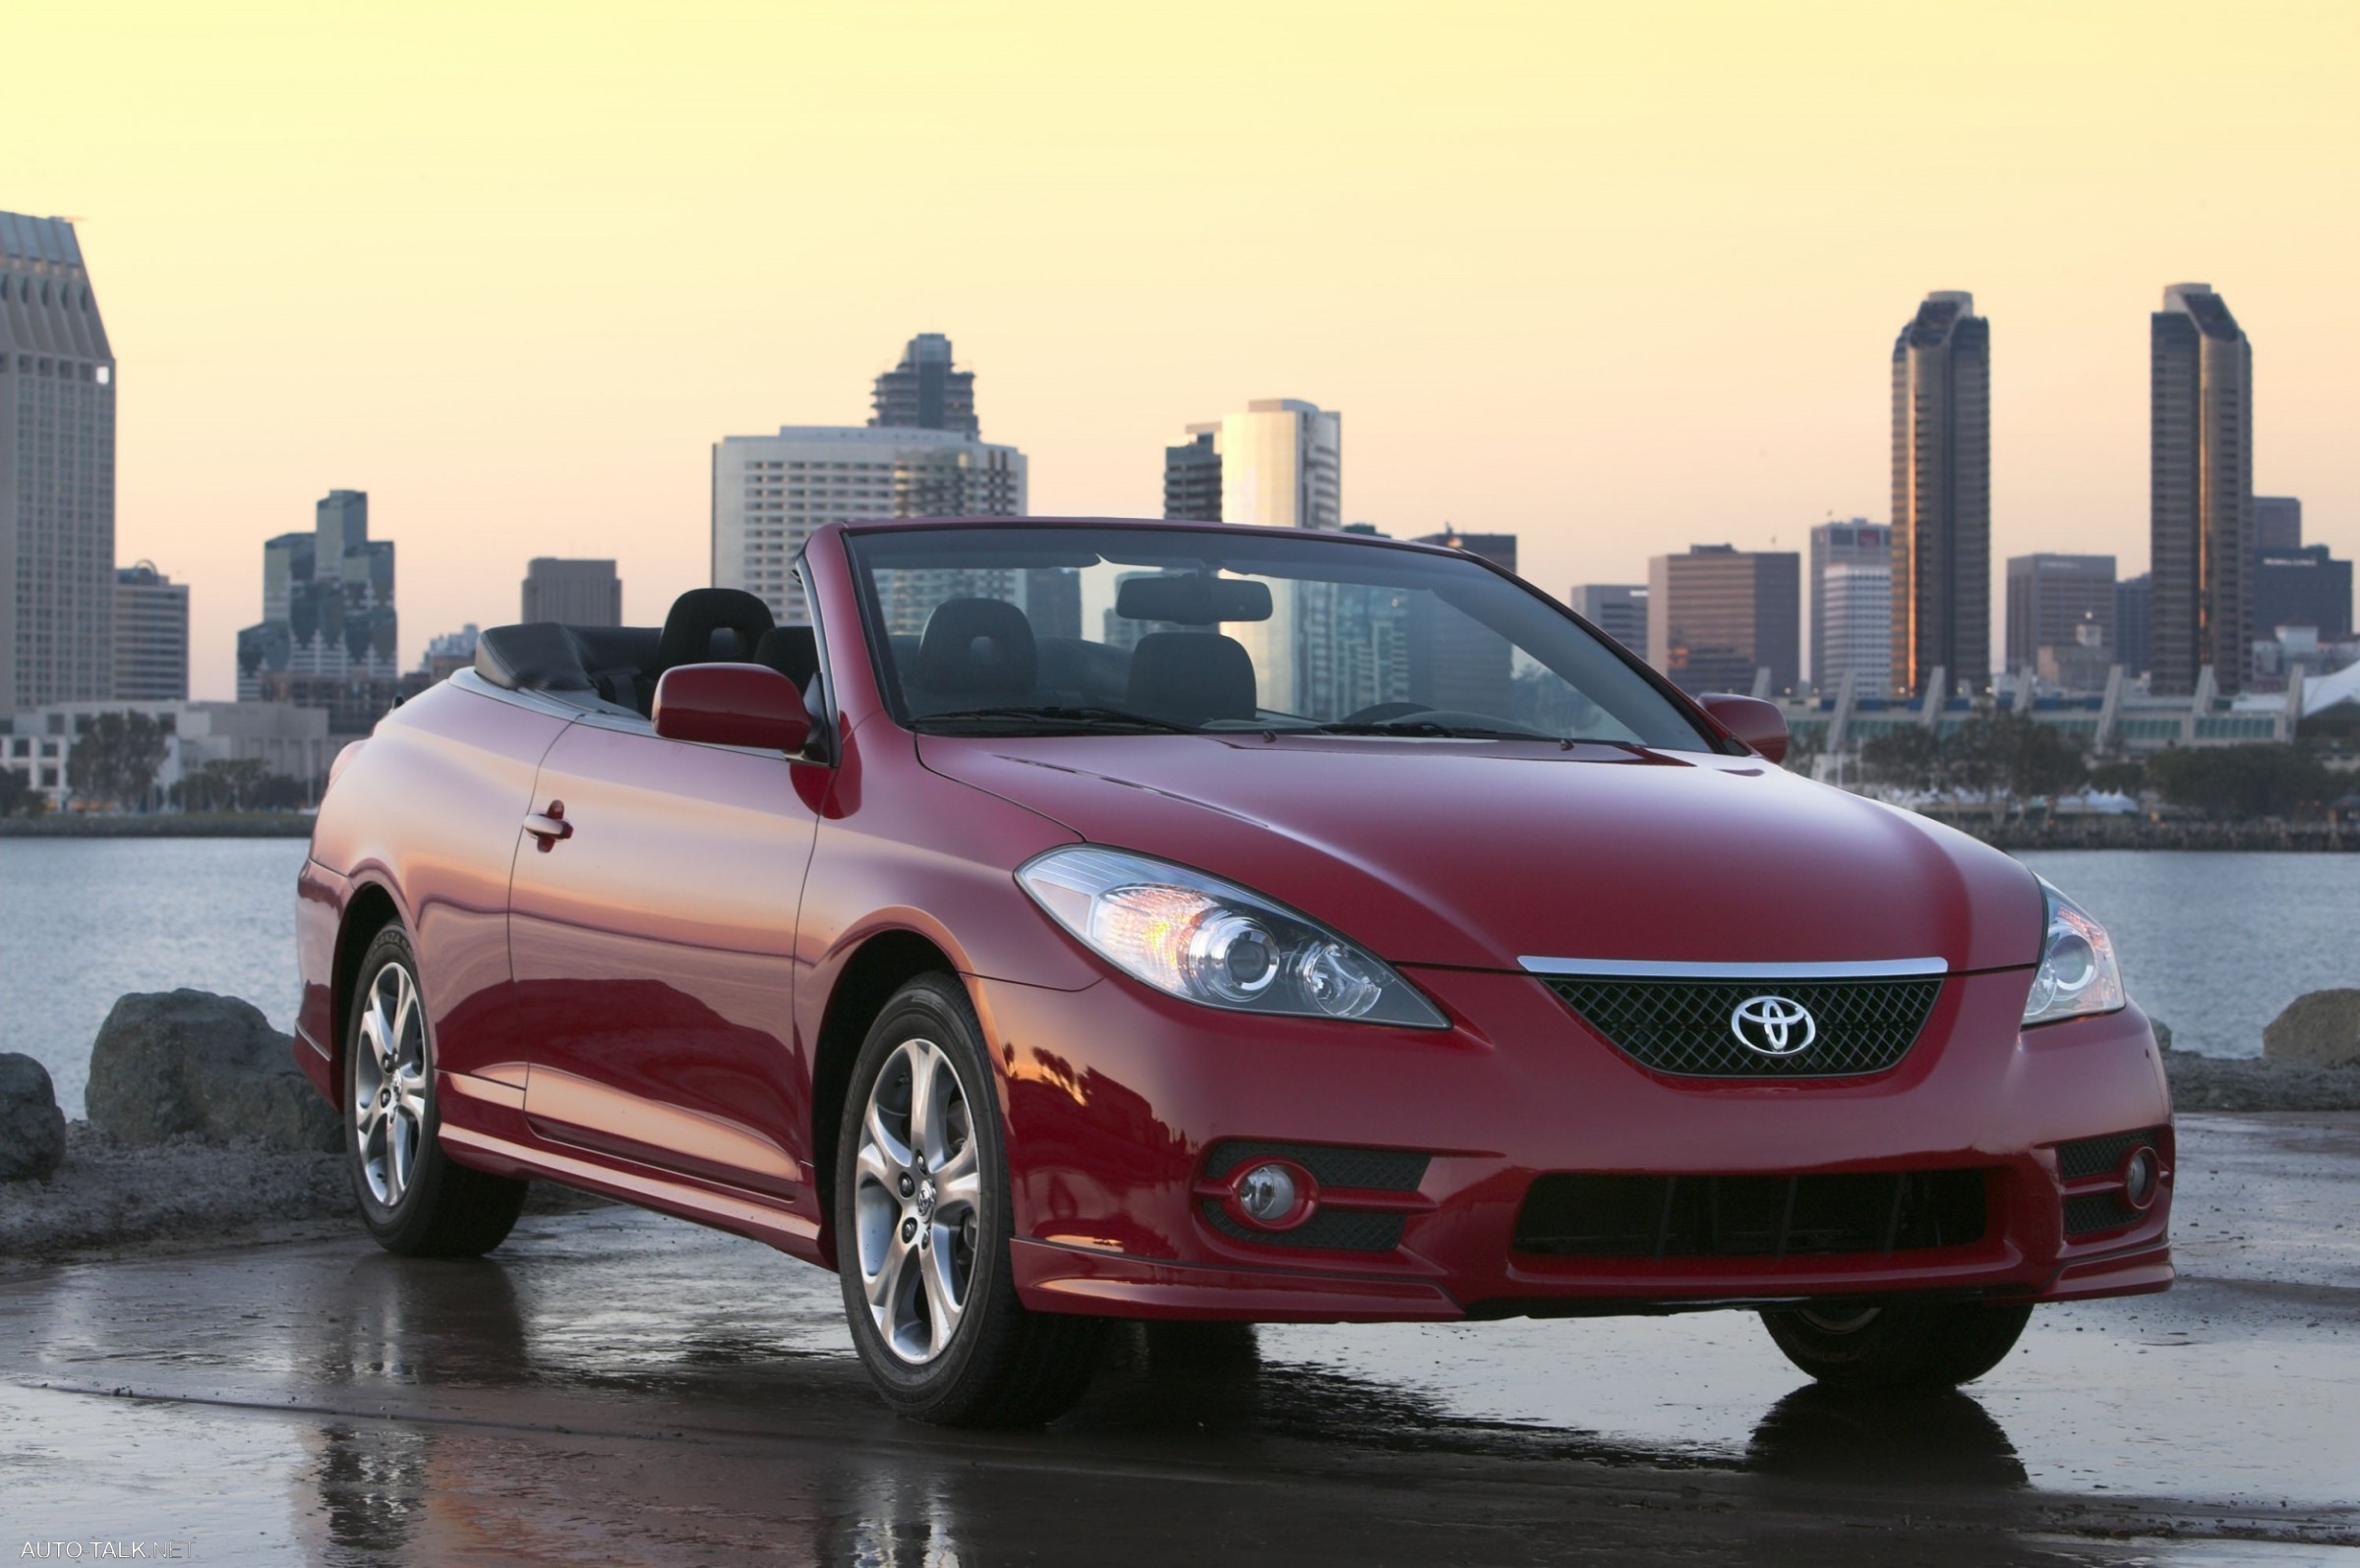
(1619,609)
(1942,494)
(1192,475)
(327,605)
(2201,491)
(924,392)
(1855,635)
(1455,661)
(2052,599)
(1857,543)
(573,593)
(2277,522)
(152,636)
(1717,614)
(2134,623)
(57,473)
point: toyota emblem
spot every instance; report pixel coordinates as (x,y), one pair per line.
(1774,1026)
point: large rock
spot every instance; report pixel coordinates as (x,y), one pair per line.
(33,1130)
(2320,1029)
(173,1063)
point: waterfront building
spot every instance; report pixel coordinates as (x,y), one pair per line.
(1619,609)
(2201,491)
(770,491)
(573,593)
(152,635)
(925,391)
(289,741)
(1942,494)
(1192,475)
(2134,604)
(1725,619)
(2053,601)
(57,472)
(2305,586)
(1830,651)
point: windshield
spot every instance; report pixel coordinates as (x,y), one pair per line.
(1053,629)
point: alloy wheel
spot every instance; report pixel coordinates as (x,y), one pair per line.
(918,1201)
(390,1084)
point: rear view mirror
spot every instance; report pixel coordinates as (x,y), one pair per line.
(732,705)
(1196,599)
(1760,725)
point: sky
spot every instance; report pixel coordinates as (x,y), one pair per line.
(1616,278)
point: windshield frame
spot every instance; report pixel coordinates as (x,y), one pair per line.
(1708,735)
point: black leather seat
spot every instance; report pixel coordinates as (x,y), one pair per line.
(1193,676)
(698,616)
(975,648)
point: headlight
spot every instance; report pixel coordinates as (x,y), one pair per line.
(1209,940)
(2078,973)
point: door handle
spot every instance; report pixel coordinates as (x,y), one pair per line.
(548,826)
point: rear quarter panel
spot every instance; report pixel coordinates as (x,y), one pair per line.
(432,811)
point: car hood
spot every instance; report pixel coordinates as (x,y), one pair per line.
(1478,854)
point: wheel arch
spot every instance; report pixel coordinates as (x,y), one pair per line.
(881,966)
(369,910)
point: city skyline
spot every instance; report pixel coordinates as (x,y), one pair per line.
(1595,226)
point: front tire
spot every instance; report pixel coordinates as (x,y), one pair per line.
(413,1199)
(1905,1347)
(922,1227)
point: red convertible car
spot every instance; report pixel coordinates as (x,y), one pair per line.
(1075,921)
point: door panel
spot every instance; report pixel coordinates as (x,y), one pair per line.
(652,948)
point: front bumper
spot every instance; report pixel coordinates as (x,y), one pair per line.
(1117,1096)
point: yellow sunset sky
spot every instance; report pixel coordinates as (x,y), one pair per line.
(1617,278)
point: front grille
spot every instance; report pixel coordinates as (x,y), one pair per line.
(1685,1026)
(1339,1230)
(1751,1216)
(1329,1164)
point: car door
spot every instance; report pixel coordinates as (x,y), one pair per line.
(651,928)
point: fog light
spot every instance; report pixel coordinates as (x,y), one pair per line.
(1270,1195)
(2142,1174)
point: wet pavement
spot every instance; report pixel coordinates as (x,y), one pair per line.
(615,1387)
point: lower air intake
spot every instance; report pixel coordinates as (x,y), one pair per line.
(1751,1216)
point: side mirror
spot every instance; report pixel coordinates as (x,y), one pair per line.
(1760,725)
(732,705)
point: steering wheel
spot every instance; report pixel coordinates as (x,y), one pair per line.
(1379,712)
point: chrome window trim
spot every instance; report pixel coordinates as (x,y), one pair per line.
(1657,969)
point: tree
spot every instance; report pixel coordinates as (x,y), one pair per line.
(13,791)
(2125,775)
(2014,756)
(221,787)
(117,758)
(1909,758)
(2262,780)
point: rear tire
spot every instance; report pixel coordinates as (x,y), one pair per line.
(922,1227)
(1903,1347)
(413,1197)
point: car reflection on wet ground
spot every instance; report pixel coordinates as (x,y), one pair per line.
(615,1387)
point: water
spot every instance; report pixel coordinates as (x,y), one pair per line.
(2213,944)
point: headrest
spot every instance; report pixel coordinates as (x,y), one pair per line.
(700,613)
(1191,676)
(977,647)
(1193,600)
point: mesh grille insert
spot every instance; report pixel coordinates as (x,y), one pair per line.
(1685,1026)
(1330,1230)
(1751,1216)
(2102,1156)
(1329,1164)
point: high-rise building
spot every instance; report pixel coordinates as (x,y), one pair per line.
(1456,662)
(152,635)
(1853,543)
(770,491)
(573,593)
(2303,586)
(1855,626)
(328,614)
(57,473)
(2134,623)
(2201,491)
(1619,609)
(2052,600)
(925,392)
(1192,475)
(1942,494)
(2277,522)
(1718,614)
